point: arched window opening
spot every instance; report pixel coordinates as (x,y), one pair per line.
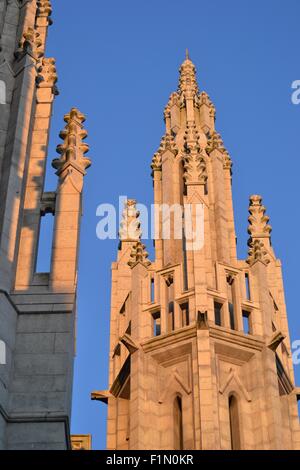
(156,323)
(185,314)
(247,284)
(234,423)
(170,303)
(231,301)
(178,424)
(2,92)
(152,290)
(218,308)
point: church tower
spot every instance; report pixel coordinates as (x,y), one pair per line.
(200,355)
(37,314)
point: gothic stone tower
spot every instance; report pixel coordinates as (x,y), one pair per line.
(37,313)
(200,353)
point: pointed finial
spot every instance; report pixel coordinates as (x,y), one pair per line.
(258,221)
(257,252)
(72,151)
(30,43)
(139,255)
(215,143)
(187,79)
(195,171)
(130,227)
(259,231)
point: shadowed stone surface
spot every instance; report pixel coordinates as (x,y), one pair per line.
(37,310)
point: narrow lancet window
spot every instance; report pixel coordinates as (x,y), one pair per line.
(178,424)
(247,322)
(170,303)
(218,313)
(247,283)
(43,262)
(234,423)
(185,315)
(152,290)
(231,301)
(156,324)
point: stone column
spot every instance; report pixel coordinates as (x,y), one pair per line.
(227,166)
(139,425)
(220,209)
(15,157)
(271,402)
(46,90)
(157,183)
(168,152)
(71,168)
(43,20)
(205,377)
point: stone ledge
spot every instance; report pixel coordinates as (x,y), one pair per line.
(215,332)
(45,308)
(169,338)
(237,337)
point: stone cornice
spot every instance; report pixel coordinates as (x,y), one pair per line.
(217,333)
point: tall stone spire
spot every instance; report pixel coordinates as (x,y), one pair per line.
(187,80)
(193,346)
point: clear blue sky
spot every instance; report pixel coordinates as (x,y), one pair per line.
(118,63)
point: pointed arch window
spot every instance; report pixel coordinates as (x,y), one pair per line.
(152,289)
(231,300)
(185,314)
(170,302)
(247,285)
(234,419)
(178,423)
